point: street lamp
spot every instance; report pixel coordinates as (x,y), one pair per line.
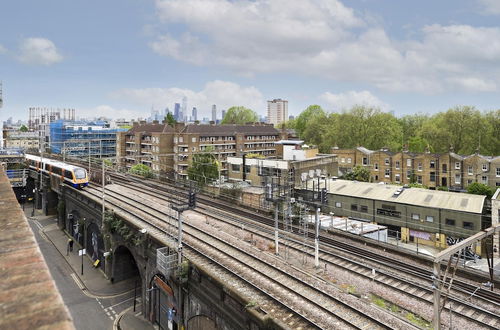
(82,251)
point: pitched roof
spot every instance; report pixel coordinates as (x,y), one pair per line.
(151,128)
(230,129)
(412,196)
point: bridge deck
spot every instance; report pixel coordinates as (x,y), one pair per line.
(29,299)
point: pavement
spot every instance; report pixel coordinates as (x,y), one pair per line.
(93,282)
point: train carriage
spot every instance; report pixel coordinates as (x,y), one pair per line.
(73,175)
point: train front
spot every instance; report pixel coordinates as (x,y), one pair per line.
(81,178)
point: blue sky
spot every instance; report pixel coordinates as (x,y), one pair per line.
(121,58)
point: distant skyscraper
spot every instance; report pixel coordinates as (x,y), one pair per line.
(291,117)
(223,114)
(194,114)
(184,109)
(177,109)
(277,111)
(214,113)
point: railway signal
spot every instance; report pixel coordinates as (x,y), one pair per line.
(192,200)
(324,196)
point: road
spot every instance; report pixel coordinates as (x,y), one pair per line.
(88,311)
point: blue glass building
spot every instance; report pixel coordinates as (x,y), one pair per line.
(78,138)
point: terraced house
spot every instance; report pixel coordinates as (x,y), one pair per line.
(433,170)
(169,150)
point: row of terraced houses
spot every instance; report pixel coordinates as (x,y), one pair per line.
(433,170)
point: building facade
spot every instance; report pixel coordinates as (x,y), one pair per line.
(73,139)
(27,141)
(169,150)
(433,170)
(277,111)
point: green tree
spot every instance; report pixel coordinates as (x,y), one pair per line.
(142,170)
(23,128)
(359,173)
(302,121)
(239,115)
(169,118)
(477,188)
(204,167)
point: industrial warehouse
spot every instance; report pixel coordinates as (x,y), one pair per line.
(430,217)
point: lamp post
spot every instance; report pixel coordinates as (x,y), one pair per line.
(83,241)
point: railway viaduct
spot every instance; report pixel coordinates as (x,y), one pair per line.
(126,252)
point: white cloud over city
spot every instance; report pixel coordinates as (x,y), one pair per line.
(222,93)
(490,7)
(341,101)
(328,39)
(39,51)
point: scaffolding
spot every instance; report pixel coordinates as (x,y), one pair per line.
(77,139)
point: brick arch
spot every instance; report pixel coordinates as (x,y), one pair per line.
(125,264)
(201,322)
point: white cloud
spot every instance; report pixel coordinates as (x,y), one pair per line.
(39,51)
(222,93)
(351,98)
(327,39)
(3,50)
(111,112)
(490,7)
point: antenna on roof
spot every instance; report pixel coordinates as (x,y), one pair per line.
(1,95)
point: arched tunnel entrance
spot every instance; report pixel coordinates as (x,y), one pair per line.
(201,322)
(163,304)
(124,265)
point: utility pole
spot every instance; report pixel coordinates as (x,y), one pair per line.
(316,239)
(89,162)
(276,229)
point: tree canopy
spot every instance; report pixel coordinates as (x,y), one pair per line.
(142,170)
(359,173)
(239,115)
(477,188)
(23,128)
(204,168)
(462,129)
(170,119)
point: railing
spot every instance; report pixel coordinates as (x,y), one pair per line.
(17,178)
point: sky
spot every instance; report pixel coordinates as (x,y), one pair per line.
(122,58)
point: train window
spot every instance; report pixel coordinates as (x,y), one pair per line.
(450,222)
(429,218)
(390,213)
(364,208)
(468,225)
(68,174)
(338,204)
(415,216)
(354,207)
(80,173)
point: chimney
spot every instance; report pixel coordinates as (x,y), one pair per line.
(155,122)
(142,122)
(212,123)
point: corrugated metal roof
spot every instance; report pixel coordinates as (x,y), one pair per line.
(411,196)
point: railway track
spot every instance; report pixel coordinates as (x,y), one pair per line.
(418,291)
(319,308)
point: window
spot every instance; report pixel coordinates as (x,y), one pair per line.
(408,174)
(175,139)
(193,139)
(469,181)
(432,177)
(432,164)
(415,216)
(387,161)
(389,212)
(376,167)
(338,204)
(354,207)
(408,163)
(235,167)
(445,168)
(365,161)
(498,172)
(420,166)
(397,164)
(387,172)
(484,179)
(247,168)
(457,165)
(468,225)
(181,139)
(348,160)
(398,178)
(469,170)
(419,179)
(458,179)
(364,209)
(429,218)
(342,160)
(450,222)
(485,167)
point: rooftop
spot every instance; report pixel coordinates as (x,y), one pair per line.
(414,196)
(29,298)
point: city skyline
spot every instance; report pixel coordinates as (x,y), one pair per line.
(119,60)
